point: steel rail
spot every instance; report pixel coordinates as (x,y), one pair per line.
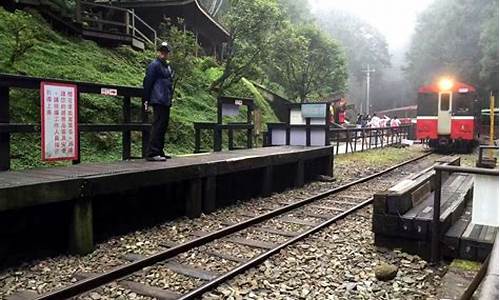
(261,258)
(117,273)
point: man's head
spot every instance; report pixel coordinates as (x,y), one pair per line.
(164,50)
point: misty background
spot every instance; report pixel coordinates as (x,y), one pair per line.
(408,43)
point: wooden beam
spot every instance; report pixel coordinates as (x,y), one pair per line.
(82,231)
(5,136)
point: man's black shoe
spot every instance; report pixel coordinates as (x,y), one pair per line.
(156,158)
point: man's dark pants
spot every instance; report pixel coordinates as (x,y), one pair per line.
(161,116)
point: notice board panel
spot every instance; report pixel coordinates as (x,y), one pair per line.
(59,116)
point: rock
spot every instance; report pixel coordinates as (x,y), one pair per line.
(385,271)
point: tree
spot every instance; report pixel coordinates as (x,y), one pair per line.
(307,63)
(457,38)
(251,24)
(184,47)
(25,37)
(297,11)
(363,45)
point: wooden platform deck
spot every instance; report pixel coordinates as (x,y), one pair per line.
(186,185)
(403,217)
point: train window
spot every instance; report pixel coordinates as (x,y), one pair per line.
(445,102)
(427,104)
(462,103)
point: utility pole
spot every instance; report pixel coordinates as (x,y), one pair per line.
(368,71)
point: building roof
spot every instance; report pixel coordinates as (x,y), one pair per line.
(194,15)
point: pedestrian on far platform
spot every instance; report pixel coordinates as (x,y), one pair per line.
(158,92)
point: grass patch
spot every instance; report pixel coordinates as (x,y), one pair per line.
(57,55)
(465,265)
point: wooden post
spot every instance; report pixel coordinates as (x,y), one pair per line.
(347,140)
(230,138)
(82,231)
(78,11)
(145,132)
(193,198)
(329,165)
(217,138)
(4,137)
(299,174)
(363,140)
(249,139)
(78,133)
(126,143)
(436,223)
(267,181)
(127,22)
(209,194)
(491,153)
(197,139)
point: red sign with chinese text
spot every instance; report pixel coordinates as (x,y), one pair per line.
(59,113)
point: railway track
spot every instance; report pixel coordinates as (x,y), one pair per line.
(307,216)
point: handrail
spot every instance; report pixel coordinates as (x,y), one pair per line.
(468,170)
(126,126)
(436,224)
(368,137)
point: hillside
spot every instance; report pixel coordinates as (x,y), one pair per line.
(57,55)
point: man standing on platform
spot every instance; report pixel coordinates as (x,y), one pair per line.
(158,93)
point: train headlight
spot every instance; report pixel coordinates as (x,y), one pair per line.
(445,84)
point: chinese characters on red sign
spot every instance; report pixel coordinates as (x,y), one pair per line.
(59,121)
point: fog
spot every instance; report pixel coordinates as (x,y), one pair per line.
(395,19)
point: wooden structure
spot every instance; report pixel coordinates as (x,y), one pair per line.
(103,23)
(81,197)
(126,94)
(227,106)
(307,125)
(474,240)
(403,216)
(210,34)
(361,139)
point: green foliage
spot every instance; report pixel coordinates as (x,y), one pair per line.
(23,36)
(452,37)
(251,24)
(59,56)
(184,48)
(297,11)
(363,43)
(308,63)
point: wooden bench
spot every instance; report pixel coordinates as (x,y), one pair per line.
(227,106)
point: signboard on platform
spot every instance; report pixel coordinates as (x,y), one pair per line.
(59,121)
(109,92)
(311,110)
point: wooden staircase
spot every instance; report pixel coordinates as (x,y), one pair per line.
(106,24)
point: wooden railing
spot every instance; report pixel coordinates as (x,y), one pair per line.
(114,20)
(361,139)
(126,93)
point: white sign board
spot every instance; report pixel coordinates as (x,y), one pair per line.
(485,201)
(296,117)
(59,121)
(109,92)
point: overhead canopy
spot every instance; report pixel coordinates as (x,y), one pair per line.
(195,17)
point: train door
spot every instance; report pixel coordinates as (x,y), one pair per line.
(444,113)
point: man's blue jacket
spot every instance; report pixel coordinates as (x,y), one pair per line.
(158,83)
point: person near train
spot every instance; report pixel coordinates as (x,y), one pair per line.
(374,122)
(158,92)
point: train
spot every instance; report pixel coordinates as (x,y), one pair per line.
(449,116)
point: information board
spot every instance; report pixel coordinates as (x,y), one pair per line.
(311,110)
(59,121)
